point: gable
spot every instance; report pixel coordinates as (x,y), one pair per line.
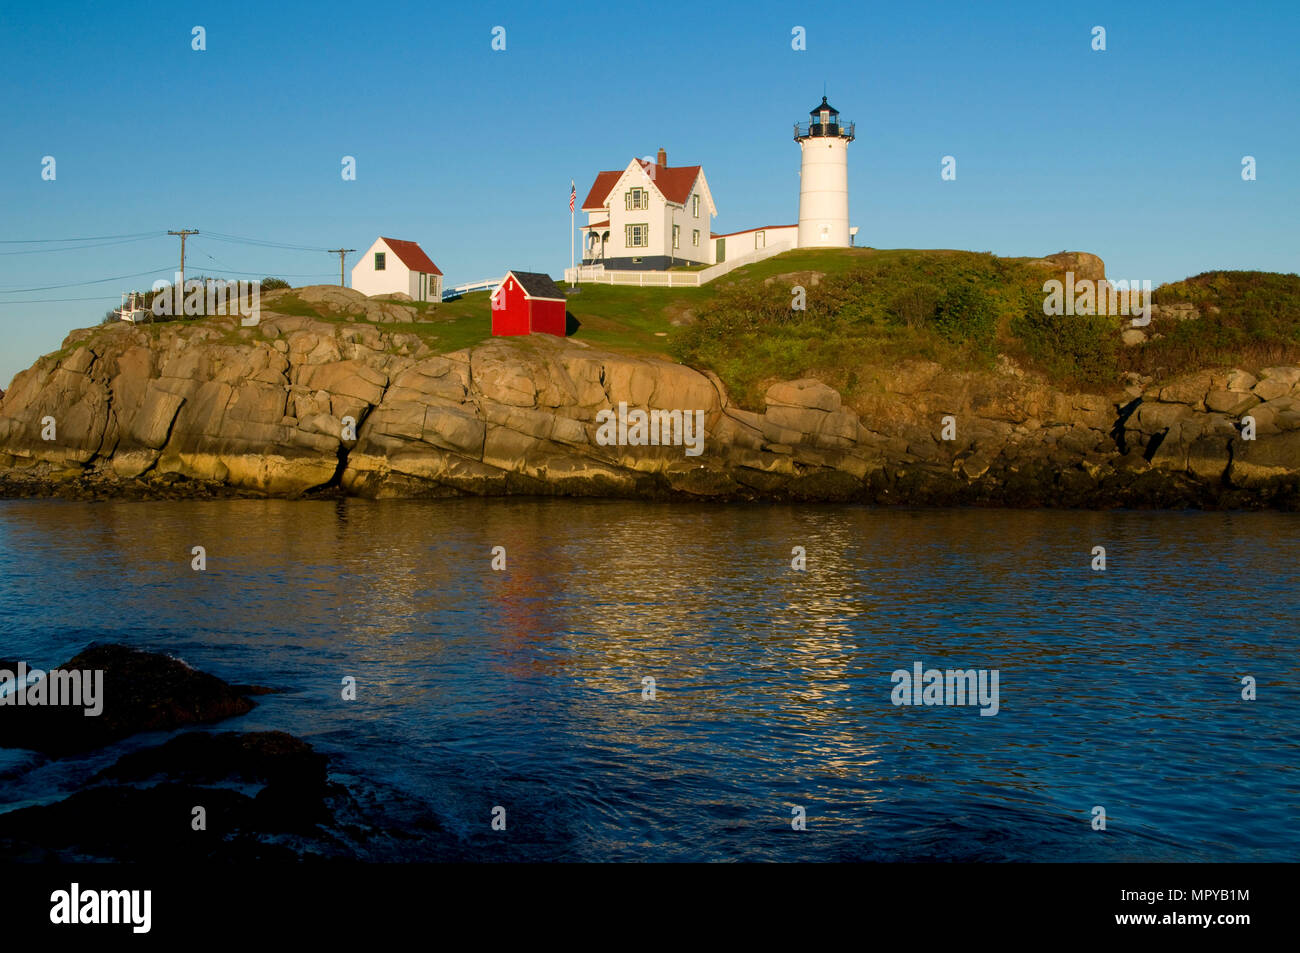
(536,285)
(674,183)
(411,255)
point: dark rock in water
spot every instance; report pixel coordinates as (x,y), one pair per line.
(293,774)
(126,824)
(268,757)
(142,691)
(142,808)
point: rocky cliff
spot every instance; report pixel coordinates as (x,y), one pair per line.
(208,407)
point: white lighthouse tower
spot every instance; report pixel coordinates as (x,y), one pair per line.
(824,178)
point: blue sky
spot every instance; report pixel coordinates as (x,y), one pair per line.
(1133,154)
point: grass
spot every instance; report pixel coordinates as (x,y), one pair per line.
(873,309)
(870,309)
(1248,319)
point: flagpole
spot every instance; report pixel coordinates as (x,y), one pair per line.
(573,185)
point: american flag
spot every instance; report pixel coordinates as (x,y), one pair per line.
(573,194)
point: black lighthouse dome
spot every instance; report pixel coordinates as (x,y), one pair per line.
(823,120)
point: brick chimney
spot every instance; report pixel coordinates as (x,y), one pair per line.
(661,159)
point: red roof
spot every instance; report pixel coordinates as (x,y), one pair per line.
(675,183)
(600,190)
(411,255)
(597,224)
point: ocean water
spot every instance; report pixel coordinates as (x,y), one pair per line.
(523,688)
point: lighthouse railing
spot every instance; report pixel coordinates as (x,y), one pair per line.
(805,130)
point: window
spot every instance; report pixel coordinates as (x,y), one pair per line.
(379,261)
(695,206)
(636,236)
(695,237)
(636,199)
(677,239)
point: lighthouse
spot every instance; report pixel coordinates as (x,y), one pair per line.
(824,178)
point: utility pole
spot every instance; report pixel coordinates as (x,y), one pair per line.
(184,233)
(342,253)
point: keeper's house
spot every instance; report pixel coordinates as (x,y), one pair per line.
(391,265)
(648,217)
(526,302)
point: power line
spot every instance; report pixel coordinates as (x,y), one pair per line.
(265,274)
(110,240)
(218,236)
(105,244)
(90,238)
(221,236)
(214,258)
(226,268)
(103,297)
(78,284)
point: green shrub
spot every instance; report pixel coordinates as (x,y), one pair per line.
(915,305)
(1247,318)
(1078,349)
(966,314)
(959,309)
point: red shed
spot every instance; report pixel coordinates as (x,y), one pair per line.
(527,301)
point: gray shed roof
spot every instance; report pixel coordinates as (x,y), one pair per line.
(538,285)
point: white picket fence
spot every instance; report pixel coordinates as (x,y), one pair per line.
(598,274)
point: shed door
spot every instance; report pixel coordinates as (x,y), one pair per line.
(722,250)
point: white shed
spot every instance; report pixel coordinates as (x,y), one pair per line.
(392,265)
